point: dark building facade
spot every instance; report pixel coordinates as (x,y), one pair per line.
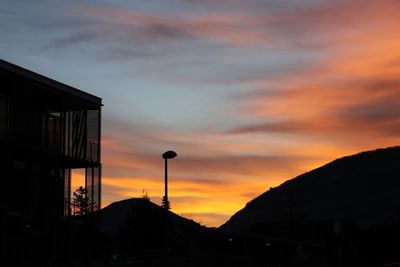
(47,130)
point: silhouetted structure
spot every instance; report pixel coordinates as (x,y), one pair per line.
(166,156)
(46,129)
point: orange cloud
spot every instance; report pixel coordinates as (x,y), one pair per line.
(214,184)
(343,99)
(353,88)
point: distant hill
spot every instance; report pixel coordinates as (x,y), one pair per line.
(362,188)
(142,222)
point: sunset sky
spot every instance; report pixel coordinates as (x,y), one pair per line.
(248,93)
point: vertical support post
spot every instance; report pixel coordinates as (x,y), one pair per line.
(166,184)
(167,155)
(92,194)
(166,206)
(99,159)
(67,191)
(86,191)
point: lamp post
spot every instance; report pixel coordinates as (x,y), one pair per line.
(166,156)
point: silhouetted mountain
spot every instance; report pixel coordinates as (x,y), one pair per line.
(137,222)
(363,189)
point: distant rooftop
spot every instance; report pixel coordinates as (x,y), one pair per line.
(8,67)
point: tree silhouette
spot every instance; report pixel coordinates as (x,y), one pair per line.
(81,203)
(165,203)
(145,195)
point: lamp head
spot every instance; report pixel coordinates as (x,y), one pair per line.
(169,154)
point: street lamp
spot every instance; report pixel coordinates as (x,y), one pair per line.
(166,156)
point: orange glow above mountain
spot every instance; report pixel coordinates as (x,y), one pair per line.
(248,93)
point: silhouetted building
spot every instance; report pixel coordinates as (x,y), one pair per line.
(47,129)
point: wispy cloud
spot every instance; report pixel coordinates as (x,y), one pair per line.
(352,88)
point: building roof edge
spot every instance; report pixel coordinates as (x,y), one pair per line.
(7,66)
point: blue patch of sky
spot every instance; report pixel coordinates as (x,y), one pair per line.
(182,85)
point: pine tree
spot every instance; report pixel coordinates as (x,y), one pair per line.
(145,195)
(165,203)
(81,203)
